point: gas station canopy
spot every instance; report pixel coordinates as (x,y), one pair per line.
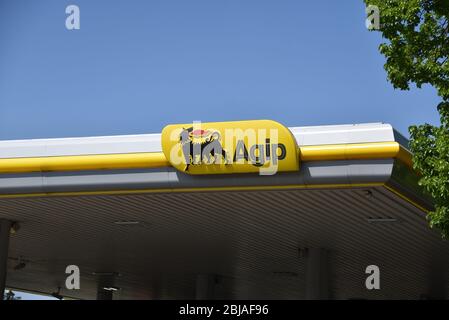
(231,210)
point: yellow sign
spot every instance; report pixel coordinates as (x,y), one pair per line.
(262,146)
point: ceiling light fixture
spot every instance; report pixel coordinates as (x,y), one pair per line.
(368,193)
(126,223)
(111,288)
(285,273)
(15,226)
(106,273)
(381,220)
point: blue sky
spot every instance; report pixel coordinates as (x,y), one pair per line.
(135,66)
(31,296)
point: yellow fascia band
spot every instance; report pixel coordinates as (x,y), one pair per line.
(374,150)
(349,151)
(84,162)
(356,151)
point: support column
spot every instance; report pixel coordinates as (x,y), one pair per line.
(104,294)
(105,282)
(5,228)
(317,274)
(205,286)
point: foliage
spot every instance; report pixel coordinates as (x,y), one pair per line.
(430,145)
(416,51)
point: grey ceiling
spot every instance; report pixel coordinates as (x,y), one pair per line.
(250,239)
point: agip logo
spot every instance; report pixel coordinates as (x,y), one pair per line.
(202,146)
(262,146)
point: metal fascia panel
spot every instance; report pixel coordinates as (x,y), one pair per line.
(312,173)
(342,134)
(359,133)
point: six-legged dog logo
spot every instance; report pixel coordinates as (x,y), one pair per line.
(202,146)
